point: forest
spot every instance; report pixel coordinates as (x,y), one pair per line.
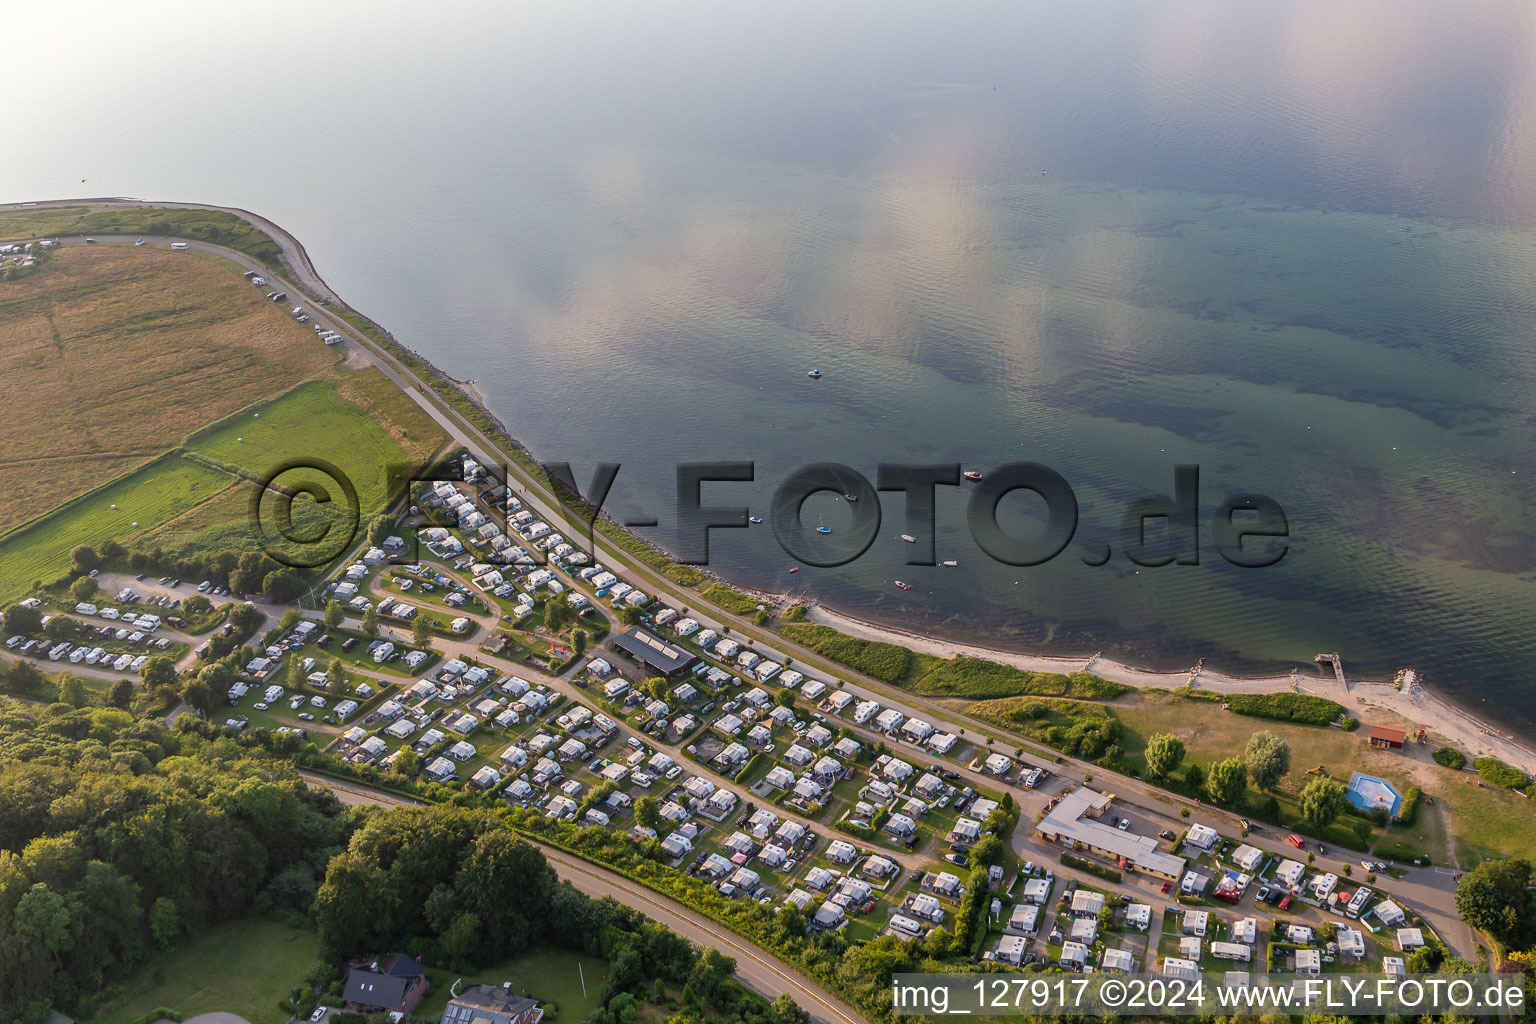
(121,837)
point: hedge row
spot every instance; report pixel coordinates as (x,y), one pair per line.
(1072,860)
(1286,707)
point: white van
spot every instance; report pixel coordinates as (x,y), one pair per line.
(178,246)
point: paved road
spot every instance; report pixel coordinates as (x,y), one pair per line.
(1431,892)
(759,970)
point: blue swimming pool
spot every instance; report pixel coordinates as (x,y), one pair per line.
(1368,792)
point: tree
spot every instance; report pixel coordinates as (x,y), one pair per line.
(200,695)
(84,559)
(245,618)
(1495,898)
(334,613)
(164,921)
(785,698)
(336,679)
(22,620)
(421,631)
(111,552)
(247,574)
(61,627)
(282,586)
(84,588)
(72,690)
(158,671)
(648,812)
(120,695)
(197,604)
(1194,777)
(1268,758)
(25,677)
(371,622)
(988,850)
(1165,752)
(47,916)
(1226,781)
(557,615)
(579,642)
(378,528)
(407,762)
(1322,800)
(295,671)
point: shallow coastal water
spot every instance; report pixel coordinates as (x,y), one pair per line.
(1295,246)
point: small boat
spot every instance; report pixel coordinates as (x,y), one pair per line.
(972,474)
(909,538)
(814,374)
(951,563)
(755,519)
(794,568)
(823,529)
(904,586)
(850,497)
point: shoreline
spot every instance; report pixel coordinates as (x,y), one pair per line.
(1457,725)
(1415,705)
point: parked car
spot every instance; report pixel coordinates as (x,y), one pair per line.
(1167,886)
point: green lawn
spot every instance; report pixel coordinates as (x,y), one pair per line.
(243,967)
(548,975)
(310,422)
(147,497)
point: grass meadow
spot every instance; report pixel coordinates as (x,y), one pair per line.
(254,964)
(149,496)
(114,354)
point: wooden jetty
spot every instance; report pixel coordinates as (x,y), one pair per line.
(1338,667)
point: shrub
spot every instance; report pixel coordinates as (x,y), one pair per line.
(1196,693)
(1072,860)
(1500,774)
(1450,757)
(160,1013)
(1408,813)
(1349,724)
(1302,708)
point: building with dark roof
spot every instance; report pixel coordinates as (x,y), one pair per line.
(393,984)
(667,659)
(489,1004)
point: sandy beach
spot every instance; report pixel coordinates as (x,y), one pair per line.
(1412,706)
